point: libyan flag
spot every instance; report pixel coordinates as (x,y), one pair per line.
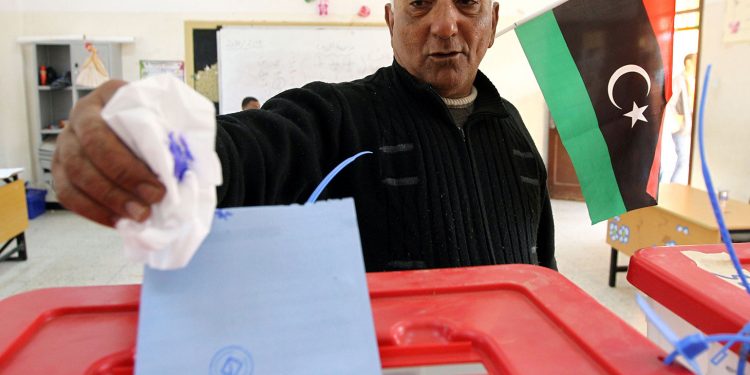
(603,67)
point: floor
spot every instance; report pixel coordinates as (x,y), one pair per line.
(66,250)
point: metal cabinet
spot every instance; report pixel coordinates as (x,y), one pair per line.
(49,104)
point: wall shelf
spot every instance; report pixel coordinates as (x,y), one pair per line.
(51,131)
(47,88)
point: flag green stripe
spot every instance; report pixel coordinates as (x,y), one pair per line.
(571,107)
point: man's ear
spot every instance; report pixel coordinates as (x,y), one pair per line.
(389,17)
(495,16)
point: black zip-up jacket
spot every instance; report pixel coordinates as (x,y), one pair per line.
(431,196)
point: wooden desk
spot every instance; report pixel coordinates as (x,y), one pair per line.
(13,215)
(683,217)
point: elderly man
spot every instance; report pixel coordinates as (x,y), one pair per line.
(455,179)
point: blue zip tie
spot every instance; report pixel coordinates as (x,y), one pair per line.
(688,349)
(654,318)
(323,184)
(693,345)
(743,338)
(721,354)
(710,187)
(743,358)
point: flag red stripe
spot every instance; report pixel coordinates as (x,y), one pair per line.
(652,187)
(661,16)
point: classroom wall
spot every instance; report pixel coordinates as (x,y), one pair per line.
(727,133)
(14,134)
(158,28)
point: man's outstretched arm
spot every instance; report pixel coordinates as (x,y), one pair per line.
(271,156)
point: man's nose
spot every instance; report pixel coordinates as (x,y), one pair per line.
(444,20)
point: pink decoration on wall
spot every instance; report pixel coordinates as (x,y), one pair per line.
(734,27)
(364,11)
(323,7)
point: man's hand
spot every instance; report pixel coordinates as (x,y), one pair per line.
(95,174)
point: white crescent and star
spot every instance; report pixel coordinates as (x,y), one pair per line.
(637,113)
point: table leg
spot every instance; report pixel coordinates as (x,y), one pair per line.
(21,242)
(19,250)
(613,267)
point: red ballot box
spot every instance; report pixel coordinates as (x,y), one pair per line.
(694,295)
(513,319)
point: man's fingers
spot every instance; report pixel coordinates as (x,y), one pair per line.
(88,180)
(95,174)
(105,150)
(75,201)
(115,161)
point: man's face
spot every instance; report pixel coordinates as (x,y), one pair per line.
(442,42)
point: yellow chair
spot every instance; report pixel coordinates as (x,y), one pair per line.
(13,218)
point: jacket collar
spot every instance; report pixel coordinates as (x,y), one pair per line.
(488,99)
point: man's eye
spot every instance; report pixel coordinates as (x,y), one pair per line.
(467,3)
(419,4)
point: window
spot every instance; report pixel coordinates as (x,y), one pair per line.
(687,15)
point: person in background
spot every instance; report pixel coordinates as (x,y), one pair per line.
(455,179)
(676,133)
(681,107)
(250,103)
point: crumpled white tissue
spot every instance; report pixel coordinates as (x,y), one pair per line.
(144,114)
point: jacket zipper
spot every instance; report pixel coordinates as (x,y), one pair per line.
(477,186)
(472,168)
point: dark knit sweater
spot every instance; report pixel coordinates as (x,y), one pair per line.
(431,196)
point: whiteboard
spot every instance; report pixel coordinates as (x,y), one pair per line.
(262,61)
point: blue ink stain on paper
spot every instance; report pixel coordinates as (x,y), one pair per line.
(231,360)
(181,154)
(223,214)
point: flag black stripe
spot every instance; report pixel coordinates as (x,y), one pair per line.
(603,36)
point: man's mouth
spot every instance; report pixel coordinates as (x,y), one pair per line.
(444,55)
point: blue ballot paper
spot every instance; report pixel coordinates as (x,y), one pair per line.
(272,290)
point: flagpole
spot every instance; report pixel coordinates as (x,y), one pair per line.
(531,17)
